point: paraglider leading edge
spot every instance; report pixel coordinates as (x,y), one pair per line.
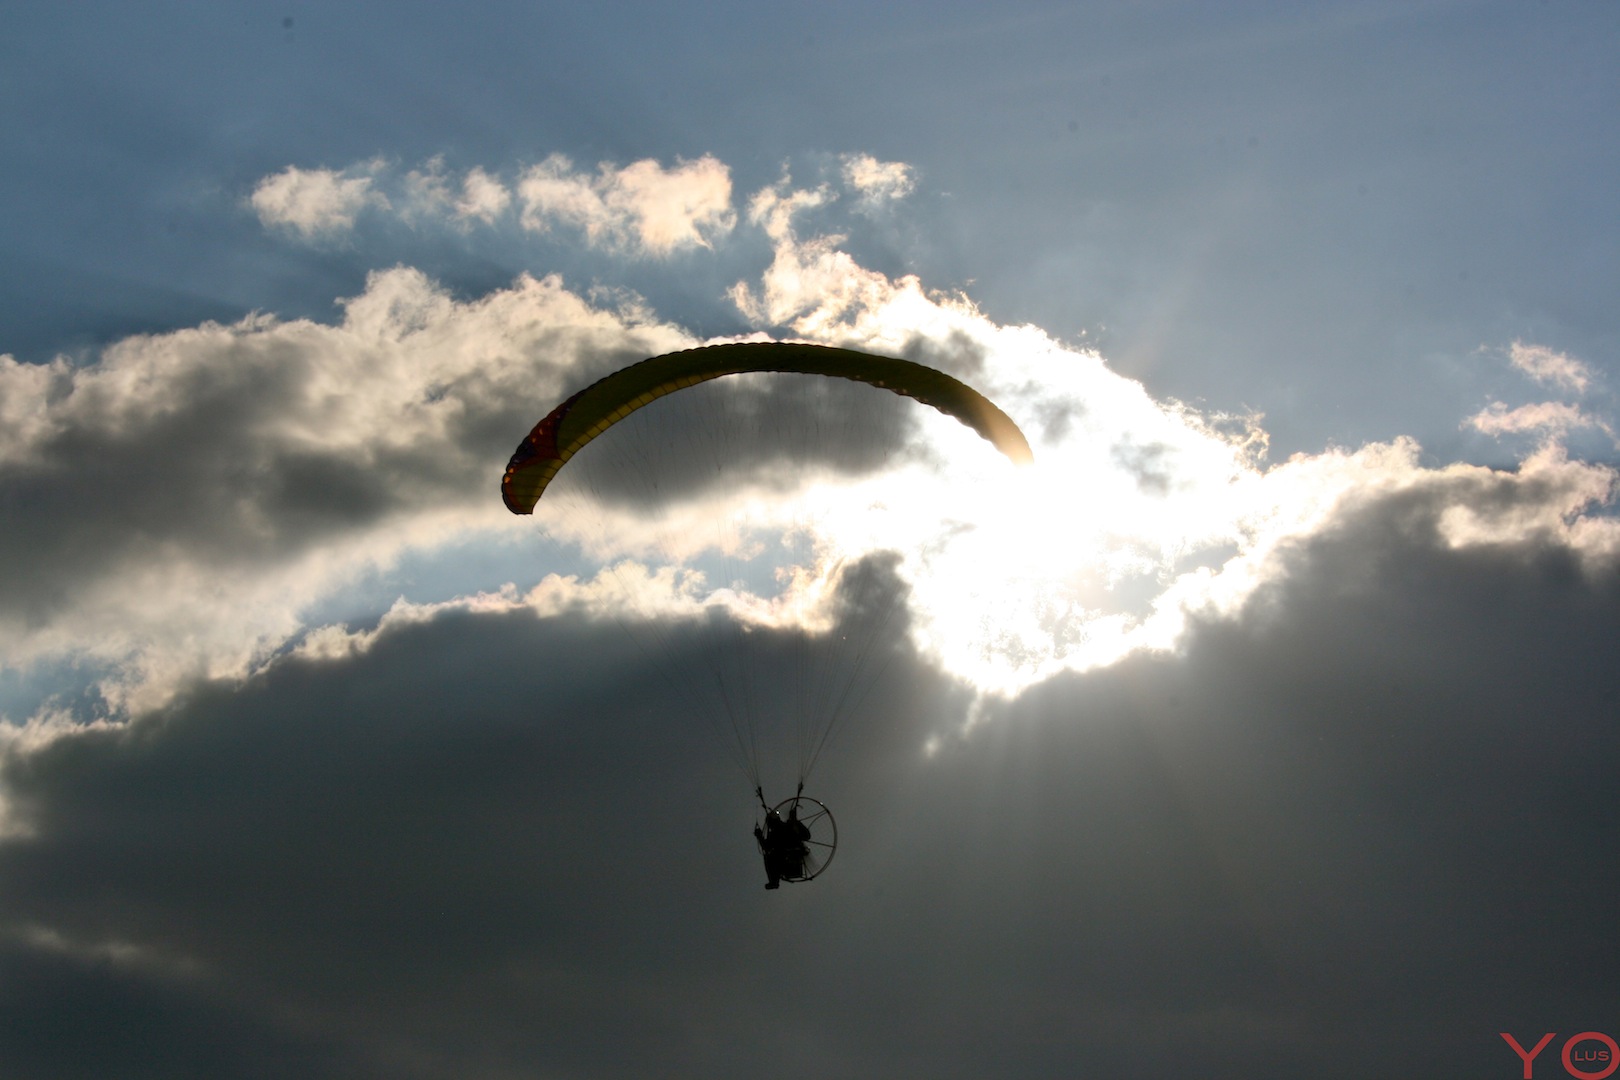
(605,402)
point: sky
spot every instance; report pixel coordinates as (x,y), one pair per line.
(1265,725)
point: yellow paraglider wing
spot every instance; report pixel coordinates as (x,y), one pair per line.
(604,403)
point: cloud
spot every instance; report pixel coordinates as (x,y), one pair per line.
(194,495)
(1547,366)
(877,181)
(809,283)
(642,208)
(431,194)
(316,203)
(1555,419)
(187,494)
(432,832)
(1553,422)
(308,453)
(482,197)
(347,858)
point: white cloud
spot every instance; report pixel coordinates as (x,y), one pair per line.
(1552,418)
(482,197)
(427,192)
(191,493)
(809,284)
(1547,366)
(877,181)
(642,208)
(1137,514)
(1543,503)
(316,203)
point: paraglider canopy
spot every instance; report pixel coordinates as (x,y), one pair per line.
(574,423)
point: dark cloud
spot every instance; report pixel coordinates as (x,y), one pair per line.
(771,431)
(955,352)
(198,468)
(222,448)
(1356,832)
(67,1016)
